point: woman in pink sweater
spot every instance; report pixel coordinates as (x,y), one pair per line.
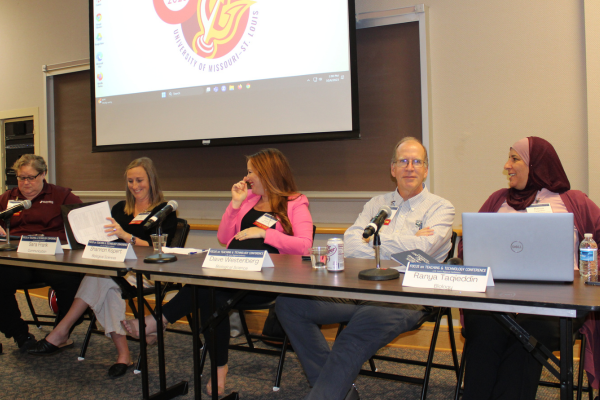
(266,213)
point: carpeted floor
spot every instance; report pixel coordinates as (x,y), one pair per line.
(62,376)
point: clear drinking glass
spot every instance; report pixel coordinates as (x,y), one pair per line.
(159,241)
(318,257)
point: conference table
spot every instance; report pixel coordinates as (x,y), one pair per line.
(292,275)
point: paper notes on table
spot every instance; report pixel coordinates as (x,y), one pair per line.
(241,260)
(412,256)
(87,223)
(181,250)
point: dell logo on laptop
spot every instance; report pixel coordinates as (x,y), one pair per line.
(517,247)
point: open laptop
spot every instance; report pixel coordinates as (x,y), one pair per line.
(520,246)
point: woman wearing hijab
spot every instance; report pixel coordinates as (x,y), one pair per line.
(498,366)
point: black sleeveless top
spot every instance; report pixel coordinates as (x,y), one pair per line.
(252,244)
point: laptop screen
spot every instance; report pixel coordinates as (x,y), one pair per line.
(520,246)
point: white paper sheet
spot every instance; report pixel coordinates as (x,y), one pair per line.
(87,223)
(178,250)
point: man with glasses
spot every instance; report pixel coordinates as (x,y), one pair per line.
(419,220)
(43,217)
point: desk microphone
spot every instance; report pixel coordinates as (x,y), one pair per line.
(377,221)
(24,205)
(161,215)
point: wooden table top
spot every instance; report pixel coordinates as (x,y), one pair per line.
(291,275)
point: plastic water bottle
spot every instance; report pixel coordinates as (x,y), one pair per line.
(588,257)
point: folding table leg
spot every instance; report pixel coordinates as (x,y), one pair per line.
(566,358)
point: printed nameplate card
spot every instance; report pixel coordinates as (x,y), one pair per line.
(109,251)
(40,245)
(448,277)
(241,260)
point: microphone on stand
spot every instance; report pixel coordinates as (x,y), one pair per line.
(158,218)
(377,221)
(24,205)
(5,215)
(377,273)
(161,215)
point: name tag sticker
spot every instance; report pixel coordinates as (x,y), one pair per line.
(542,208)
(265,221)
(448,277)
(141,217)
(391,217)
(109,251)
(40,245)
(12,203)
(241,260)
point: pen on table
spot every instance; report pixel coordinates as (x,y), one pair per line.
(196,252)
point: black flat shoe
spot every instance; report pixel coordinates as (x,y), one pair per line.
(25,341)
(45,348)
(118,369)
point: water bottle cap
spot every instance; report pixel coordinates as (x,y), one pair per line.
(588,235)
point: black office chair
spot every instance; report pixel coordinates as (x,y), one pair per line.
(279,341)
(579,387)
(34,315)
(452,246)
(129,294)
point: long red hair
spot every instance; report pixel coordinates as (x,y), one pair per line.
(275,174)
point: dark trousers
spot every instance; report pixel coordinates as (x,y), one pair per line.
(370,326)
(11,278)
(498,366)
(181,305)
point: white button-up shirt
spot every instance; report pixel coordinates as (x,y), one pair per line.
(421,211)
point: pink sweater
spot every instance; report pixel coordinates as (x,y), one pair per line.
(298,214)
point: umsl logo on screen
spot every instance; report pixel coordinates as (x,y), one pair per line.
(219,30)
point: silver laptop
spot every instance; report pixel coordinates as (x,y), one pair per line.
(520,246)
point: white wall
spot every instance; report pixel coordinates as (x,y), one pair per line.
(34,33)
(592,44)
(500,71)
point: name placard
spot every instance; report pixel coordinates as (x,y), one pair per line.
(109,251)
(448,277)
(241,260)
(40,245)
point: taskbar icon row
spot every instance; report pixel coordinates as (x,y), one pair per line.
(215,89)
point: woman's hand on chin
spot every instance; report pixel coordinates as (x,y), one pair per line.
(239,192)
(251,233)
(114,229)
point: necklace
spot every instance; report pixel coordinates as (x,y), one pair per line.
(138,211)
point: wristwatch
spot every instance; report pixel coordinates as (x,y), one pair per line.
(132,240)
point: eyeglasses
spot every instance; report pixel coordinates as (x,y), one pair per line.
(28,178)
(404,163)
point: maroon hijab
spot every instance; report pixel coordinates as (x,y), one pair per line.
(545,171)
